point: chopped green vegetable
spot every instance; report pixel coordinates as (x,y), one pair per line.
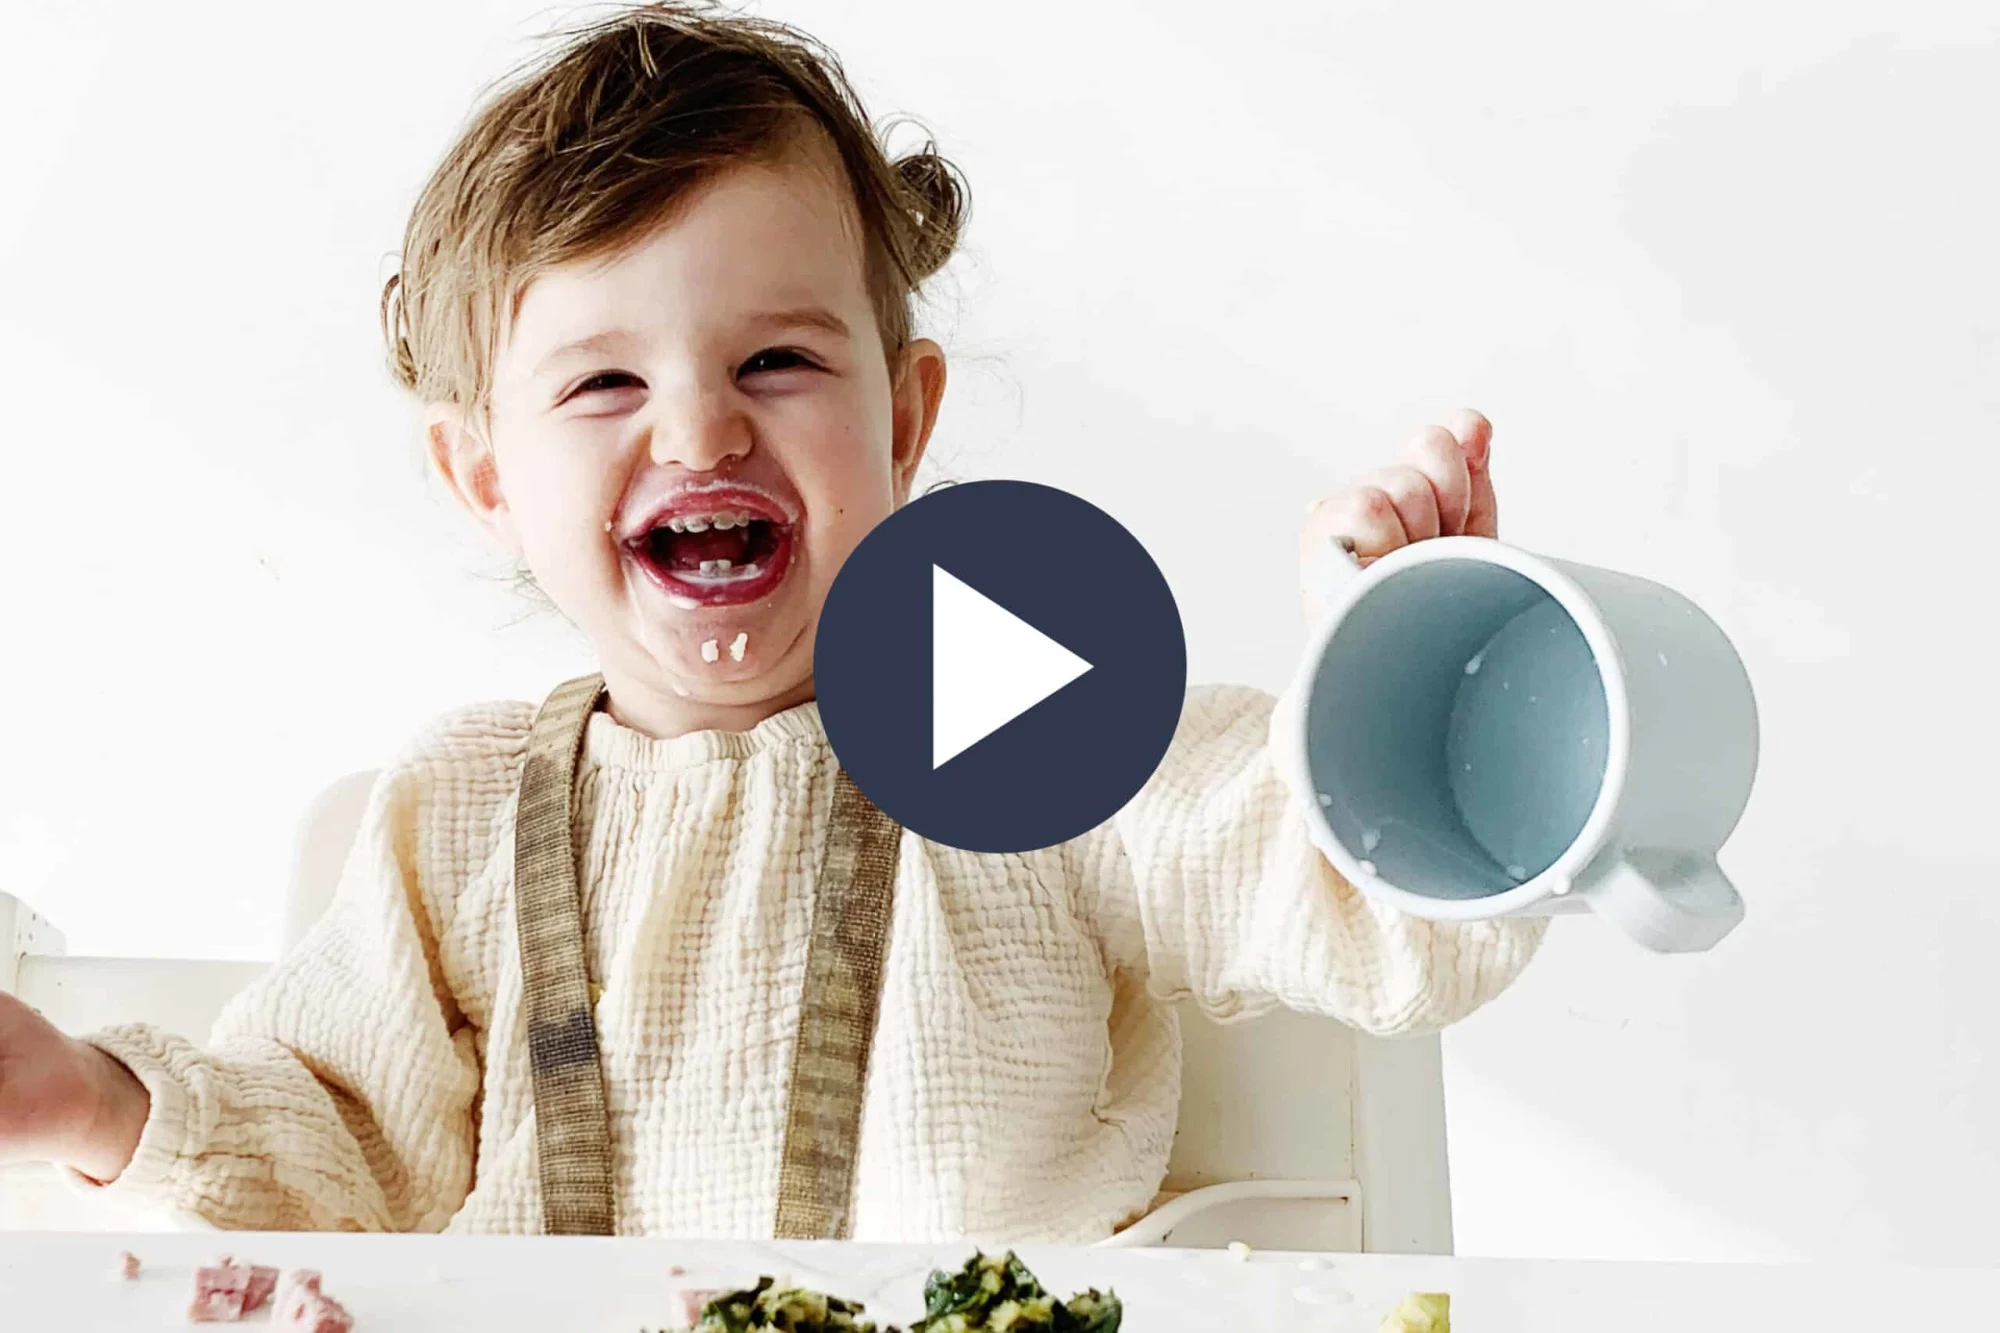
(1420,1312)
(790,1309)
(1003,1296)
(988,1295)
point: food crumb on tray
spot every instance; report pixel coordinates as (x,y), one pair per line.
(128,1266)
(1420,1312)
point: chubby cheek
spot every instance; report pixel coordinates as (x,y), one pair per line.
(846,504)
(557,514)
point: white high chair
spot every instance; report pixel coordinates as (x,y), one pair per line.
(1295,1133)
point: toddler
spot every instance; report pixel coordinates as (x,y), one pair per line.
(657,304)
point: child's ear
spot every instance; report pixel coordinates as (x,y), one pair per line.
(918,389)
(463,457)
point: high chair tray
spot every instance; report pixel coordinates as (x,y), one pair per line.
(399,1284)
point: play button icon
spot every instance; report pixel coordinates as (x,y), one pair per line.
(988,666)
(1000,666)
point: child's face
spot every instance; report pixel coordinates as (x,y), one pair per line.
(688,438)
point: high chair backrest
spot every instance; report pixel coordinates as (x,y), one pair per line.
(326,832)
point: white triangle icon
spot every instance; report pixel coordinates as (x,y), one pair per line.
(988,666)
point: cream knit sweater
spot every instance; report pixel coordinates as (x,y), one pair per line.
(1026,1067)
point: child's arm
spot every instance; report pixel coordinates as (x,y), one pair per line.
(1208,884)
(338,1092)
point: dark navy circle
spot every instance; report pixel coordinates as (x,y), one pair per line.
(1072,572)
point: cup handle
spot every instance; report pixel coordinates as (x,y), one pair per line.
(1668,901)
(1330,567)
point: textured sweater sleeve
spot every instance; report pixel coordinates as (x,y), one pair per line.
(1208,884)
(339,1091)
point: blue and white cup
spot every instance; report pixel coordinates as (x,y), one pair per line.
(1478,732)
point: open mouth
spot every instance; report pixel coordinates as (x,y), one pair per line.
(718,548)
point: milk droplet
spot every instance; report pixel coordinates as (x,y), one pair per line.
(1534,698)
(1663,659)
(1472,667)
(1586,740)
(1368,869)
(711,650)
(1506,684)
(1517,872)
(1324,799)
(1468,768)
(1371,838)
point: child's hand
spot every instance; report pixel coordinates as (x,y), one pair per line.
(1443,489)
(62,1100)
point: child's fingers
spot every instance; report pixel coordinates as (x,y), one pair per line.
(1365,515)
(1473,432)
(1482,515)
(1415,496)
(1438,455)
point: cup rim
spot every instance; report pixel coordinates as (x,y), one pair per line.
(1566,871)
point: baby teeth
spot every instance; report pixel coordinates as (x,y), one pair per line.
(715,566)
(737,645)
(710,651)
(720,522)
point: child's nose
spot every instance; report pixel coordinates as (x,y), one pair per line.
(700,433)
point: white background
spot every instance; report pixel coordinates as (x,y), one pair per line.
(1722,275)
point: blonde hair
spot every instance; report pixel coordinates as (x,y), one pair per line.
(597,141)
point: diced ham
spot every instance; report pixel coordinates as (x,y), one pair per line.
(314,1312)
(128,1265)
(303,1308)
(219,1290)
(263,1281)
(225,1291)
(297,1284)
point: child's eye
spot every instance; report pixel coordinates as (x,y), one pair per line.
(607,379)
(775,358)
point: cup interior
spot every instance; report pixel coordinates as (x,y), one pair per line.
(1457,729)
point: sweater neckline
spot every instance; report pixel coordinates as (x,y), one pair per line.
(608,743)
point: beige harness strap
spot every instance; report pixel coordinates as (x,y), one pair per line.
(572,1129)
(852,906)
(853,901)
